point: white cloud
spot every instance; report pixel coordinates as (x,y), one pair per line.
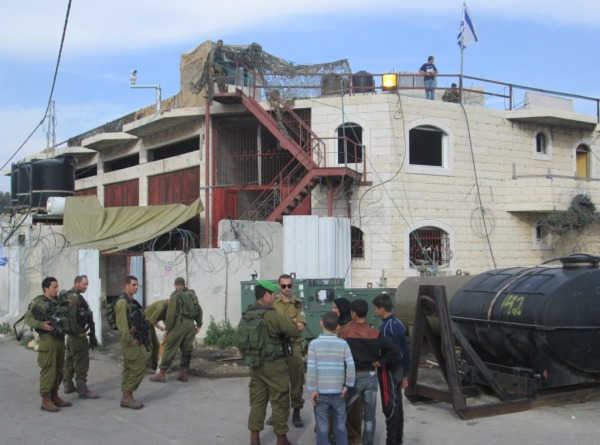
(33,28)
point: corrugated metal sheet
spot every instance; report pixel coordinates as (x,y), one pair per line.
(122,194)
(317,247)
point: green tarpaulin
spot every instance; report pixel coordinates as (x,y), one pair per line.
(88,225)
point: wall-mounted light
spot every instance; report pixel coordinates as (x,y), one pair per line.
(389,82)
(133,79)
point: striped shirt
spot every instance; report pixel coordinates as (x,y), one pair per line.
(330,365)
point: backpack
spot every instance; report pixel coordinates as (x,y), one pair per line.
(111,317)
(253,340)
(189,305)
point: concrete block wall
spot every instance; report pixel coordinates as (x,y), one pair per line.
(400,199)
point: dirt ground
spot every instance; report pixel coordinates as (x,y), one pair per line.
(206,361)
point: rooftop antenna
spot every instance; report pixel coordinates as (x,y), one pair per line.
(51,131)
(133,79)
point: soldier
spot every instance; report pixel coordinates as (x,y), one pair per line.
(49,319)
(293,308)
(156,312)
(133,334)
(217,60)
(269,379)
(183,322)
(77,357)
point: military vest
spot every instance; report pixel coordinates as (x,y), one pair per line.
(254,342)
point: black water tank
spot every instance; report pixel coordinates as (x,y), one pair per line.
(544,319)
(362,82)
(51,177)
(14,184)
(23,184)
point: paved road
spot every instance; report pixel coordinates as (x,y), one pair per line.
(214,411)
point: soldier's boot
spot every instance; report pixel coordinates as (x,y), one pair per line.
(84,392)
(183,375)
(58,401)
(283,440)
(129,402)
(160,377)
(68,386)
(254,437)
(296,419)
(48,405)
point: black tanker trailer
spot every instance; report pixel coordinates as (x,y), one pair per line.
(522,330)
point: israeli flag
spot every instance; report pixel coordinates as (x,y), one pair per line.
(467,33)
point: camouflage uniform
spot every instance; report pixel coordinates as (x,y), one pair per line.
(295,312)
(181,331)
(270,382)
(77,357)
(135,356)
(51,347)
(154,313)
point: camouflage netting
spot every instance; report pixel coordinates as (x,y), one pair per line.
(289,80)
(581,213)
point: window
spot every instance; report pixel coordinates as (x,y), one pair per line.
(540,143)
(541,236)
(582,161)
(350,148)
(429,246)
(427,146)
(357,247)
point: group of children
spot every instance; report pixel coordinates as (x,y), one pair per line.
(347,362)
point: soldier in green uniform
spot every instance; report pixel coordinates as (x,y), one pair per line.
(77,357)
(183,322)
(46,316)
(135,355)
(269,380)
(293,308)
(217,61)
(156,312)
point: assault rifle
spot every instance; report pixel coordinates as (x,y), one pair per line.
(140,328)
(286,345)
(54,322)
(90,326)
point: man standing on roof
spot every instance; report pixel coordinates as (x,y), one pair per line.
(429,70)
(217,61)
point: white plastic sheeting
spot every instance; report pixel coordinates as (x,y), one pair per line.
(317,247)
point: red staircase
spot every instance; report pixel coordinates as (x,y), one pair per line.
(290,187)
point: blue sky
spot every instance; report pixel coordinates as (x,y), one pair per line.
(549,44)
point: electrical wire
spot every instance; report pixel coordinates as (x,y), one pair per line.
(62,41)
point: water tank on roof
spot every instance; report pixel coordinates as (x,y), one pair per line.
(34,182)
(55,205)
(51,177)
(363,82)
(14,184)
(23,184)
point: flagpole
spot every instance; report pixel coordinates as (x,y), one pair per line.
(462,56)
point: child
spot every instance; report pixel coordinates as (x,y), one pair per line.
(394,330)
(330,372)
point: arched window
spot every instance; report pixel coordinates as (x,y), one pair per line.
(541,145)
(357,246)
(350,147)
(429,246)
(582,161)
(427,146)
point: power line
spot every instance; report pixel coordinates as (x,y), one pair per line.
(62,41)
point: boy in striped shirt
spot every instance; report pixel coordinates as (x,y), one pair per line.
(330,372)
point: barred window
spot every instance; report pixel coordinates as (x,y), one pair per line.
(429,245)
(357,247)
(350,148)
